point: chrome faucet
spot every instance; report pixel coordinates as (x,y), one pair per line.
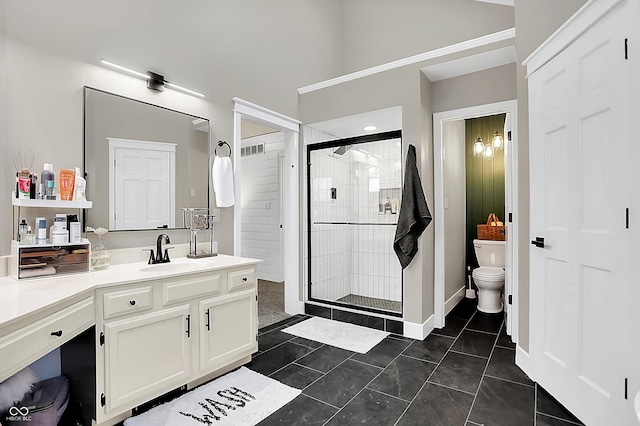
(158,257)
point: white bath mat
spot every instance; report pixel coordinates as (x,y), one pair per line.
(242,397)
(340,334)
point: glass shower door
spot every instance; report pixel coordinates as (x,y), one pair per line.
(354,193)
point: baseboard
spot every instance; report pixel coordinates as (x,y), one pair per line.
(418,331)
(454,300)
(524,362)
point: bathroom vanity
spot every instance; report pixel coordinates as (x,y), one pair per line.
(133,332)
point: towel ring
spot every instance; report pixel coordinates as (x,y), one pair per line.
(222,143)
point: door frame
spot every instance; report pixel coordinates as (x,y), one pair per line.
(244,110)
(281,207)
(511,180)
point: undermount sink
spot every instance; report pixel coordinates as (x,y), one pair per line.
(185,266)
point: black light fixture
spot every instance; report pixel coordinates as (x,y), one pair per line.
(155,81)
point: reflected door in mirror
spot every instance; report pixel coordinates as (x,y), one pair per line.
(141,184)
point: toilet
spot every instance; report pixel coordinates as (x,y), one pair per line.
(489,277)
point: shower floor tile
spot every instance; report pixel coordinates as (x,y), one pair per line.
(372,302)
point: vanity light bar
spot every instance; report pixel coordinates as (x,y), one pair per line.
(149,77)
(125,69)
(184,89)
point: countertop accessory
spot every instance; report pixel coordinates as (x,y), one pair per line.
(100,254)
(198,219)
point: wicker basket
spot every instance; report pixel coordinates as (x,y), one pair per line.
(492,230)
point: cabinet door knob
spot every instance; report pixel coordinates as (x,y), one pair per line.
(132,302)
(244,278)
(57,333)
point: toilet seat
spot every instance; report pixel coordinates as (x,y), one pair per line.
(488,273)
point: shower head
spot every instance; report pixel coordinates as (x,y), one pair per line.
(341,150)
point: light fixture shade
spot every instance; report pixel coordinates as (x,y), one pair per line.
(155,82)
(488,152)
(497,141)
(478,147)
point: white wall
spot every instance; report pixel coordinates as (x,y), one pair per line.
(455,223)
(261,233)
(402,28)
(44,115)
(215,47)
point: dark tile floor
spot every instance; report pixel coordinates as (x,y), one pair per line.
(463,374)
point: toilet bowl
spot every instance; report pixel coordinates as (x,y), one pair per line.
(489,277)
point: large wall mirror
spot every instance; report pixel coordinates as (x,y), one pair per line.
(143,163)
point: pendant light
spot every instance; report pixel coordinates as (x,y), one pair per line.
(478,147)
(488,152)
(497,141)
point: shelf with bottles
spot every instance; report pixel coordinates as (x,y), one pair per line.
(58,204)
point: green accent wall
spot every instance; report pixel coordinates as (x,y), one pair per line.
(484,178)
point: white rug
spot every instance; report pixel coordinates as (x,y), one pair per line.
(242,397)
(340,334)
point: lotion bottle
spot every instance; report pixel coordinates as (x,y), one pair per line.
(79,187)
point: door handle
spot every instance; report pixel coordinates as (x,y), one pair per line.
(208,325)
(188,325)
(538,242)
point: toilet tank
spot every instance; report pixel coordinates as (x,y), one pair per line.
(489,253)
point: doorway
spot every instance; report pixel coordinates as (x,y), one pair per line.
(444,124)
(262,156)
(288,216)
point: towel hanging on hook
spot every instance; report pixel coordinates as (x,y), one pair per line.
(222,143)
(222,177)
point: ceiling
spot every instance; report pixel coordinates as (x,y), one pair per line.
(470,64)
(345,127)
(197,43)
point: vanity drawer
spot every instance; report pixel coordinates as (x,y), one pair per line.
(190,288)
(21,348)
(241,279)
(124,302)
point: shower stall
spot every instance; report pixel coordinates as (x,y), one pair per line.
(354,194)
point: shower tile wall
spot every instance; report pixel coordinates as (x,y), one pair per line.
(376,270)
(331,244)
(357,258)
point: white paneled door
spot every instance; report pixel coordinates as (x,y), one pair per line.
(142,184)
(580,190)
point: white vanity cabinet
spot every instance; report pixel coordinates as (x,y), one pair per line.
(29,343)
(146,355)
(157,335)
(225,335)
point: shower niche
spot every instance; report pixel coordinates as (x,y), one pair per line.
(389,201)
(354,194)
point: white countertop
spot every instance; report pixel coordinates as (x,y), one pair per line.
(20,298)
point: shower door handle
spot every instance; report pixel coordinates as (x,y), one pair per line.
(538,242)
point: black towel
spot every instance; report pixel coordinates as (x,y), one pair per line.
(414,214)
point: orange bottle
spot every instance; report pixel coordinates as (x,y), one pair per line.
(67,181)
